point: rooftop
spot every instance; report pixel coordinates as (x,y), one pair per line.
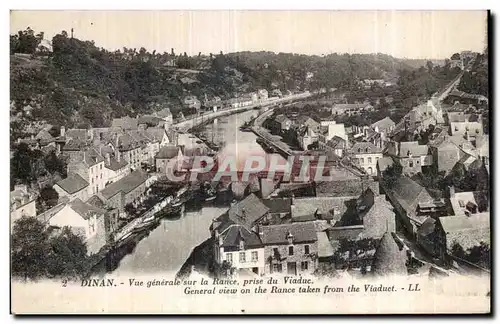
(278,234)
(73,183)
(365,147)
(247,211)
(125,184)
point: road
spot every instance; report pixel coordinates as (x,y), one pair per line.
(188,124)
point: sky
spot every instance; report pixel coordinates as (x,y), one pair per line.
(403,34)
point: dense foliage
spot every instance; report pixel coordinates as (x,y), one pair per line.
(80,84)
(37,252)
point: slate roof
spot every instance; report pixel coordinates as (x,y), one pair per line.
(338,233)
(73,183)
(278,205)
(336,142)
(125,184)
(277,234)
(384,123)
(468,231)
(234,233)
(388,259)
(115,165)
(85,210)
(154,133)
(281,118)
(124,123)
(414,148)
(328,207)
(409,193)
(76,134)
(384,162)
(168,152)
(307,121)
(149,120)
(247,211)
(164,113)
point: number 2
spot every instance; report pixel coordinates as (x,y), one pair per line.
(64,283)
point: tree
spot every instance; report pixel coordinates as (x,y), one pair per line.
(67,256)
(391,175)
(21,167)
(48,198)
(29,248)
(25,41)
(455,56)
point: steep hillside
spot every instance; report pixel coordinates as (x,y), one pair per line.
(78,84)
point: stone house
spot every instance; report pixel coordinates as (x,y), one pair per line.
(74,186)
(85,220)
(410,155)
(131,189)
(366,155)
(290,248)
(438,236)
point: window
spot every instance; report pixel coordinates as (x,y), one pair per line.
(362,160)
(306,249)
(101,175)
(290,250)
(255,256)
(101,166)
(92,180)
(418,161)
(411,164)
(369,160)
(242,257)
(304,265)
(229,257)
(275,251)
(276,267)
(461,203)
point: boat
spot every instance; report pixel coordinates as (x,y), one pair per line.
(177,202)
(144,225)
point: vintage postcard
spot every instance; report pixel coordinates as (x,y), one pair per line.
(249,162)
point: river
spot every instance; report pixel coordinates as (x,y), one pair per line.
(167,247)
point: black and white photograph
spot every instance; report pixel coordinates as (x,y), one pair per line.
(250,162)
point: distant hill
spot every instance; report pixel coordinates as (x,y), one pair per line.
(78,84)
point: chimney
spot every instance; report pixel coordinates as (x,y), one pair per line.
(90,134)
(260,231)
(83,156)
(63,131)
(451,190)
(289,237)
(108,158)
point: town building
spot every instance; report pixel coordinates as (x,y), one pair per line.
(22,203)
(84,220)
(336,145)
(290,248)
(350,109)
(468,125)
(166,115)
(131,189)
(169,159)
(124,123)
(280,123)
(191,102)
(306,136)
(366,155)
(385,125)
(412,203)
(410,155)
(74,186)
(440,236)
(329,129)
